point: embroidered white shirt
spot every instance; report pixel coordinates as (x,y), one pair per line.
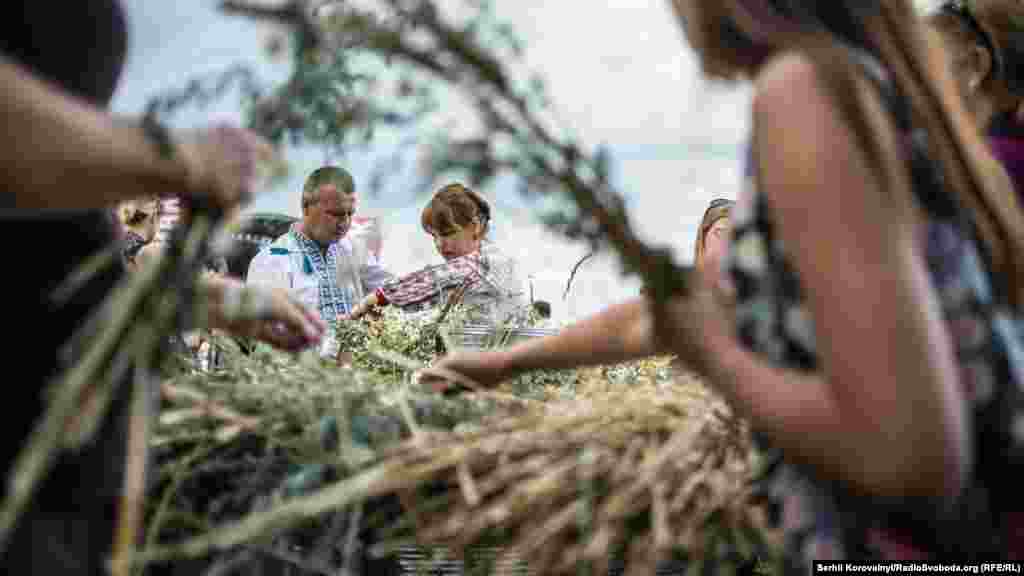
(282,265)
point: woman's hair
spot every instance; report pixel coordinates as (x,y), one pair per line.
(890,31)
(718,209)
(455,206)
(995,25)
(725,53)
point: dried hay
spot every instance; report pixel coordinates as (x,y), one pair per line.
(568,469)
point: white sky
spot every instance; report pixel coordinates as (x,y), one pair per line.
(618,71)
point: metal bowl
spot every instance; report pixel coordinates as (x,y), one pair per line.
(479,336)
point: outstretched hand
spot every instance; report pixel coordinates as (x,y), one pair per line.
(463,371)
(270,315)
(696,324)
(222,164)
(364,307)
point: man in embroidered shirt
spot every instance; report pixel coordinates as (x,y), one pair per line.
(315,260)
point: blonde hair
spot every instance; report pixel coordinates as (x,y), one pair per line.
(137,213)
(719,209)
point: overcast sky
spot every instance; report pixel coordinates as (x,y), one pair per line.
(618,71)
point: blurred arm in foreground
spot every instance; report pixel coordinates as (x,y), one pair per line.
(64,163)
(86,158)
(266,314)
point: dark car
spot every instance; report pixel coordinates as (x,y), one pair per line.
(252,233)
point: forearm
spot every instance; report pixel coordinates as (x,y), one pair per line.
(428,282)
(801,414)
(617,334)
(61,153)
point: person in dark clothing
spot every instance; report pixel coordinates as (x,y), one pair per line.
(63,164)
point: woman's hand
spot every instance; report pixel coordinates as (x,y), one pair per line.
(71,155)
(270,315)
(465,370)
(698,327)
(361,309)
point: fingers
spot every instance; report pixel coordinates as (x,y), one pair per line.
(297,317)
(227,159)
(239,164)
(440,378)
(437,383)
(282,337)
(430,381)
(284,322)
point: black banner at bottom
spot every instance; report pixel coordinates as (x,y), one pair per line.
(922,567)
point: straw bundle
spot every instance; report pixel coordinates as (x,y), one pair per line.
(655,471)
(636,461)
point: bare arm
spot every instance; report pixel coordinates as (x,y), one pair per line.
(266,314)
(62,153)
(616,334)
(885,413)
(57,143)
(262,312)
(619,333)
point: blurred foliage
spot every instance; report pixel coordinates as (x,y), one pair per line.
(407,52)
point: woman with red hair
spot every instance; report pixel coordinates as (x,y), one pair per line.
(475,271)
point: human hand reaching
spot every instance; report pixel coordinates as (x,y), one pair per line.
(270,315)
(696,324)
(461,371)
(221,164)
(363,308)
